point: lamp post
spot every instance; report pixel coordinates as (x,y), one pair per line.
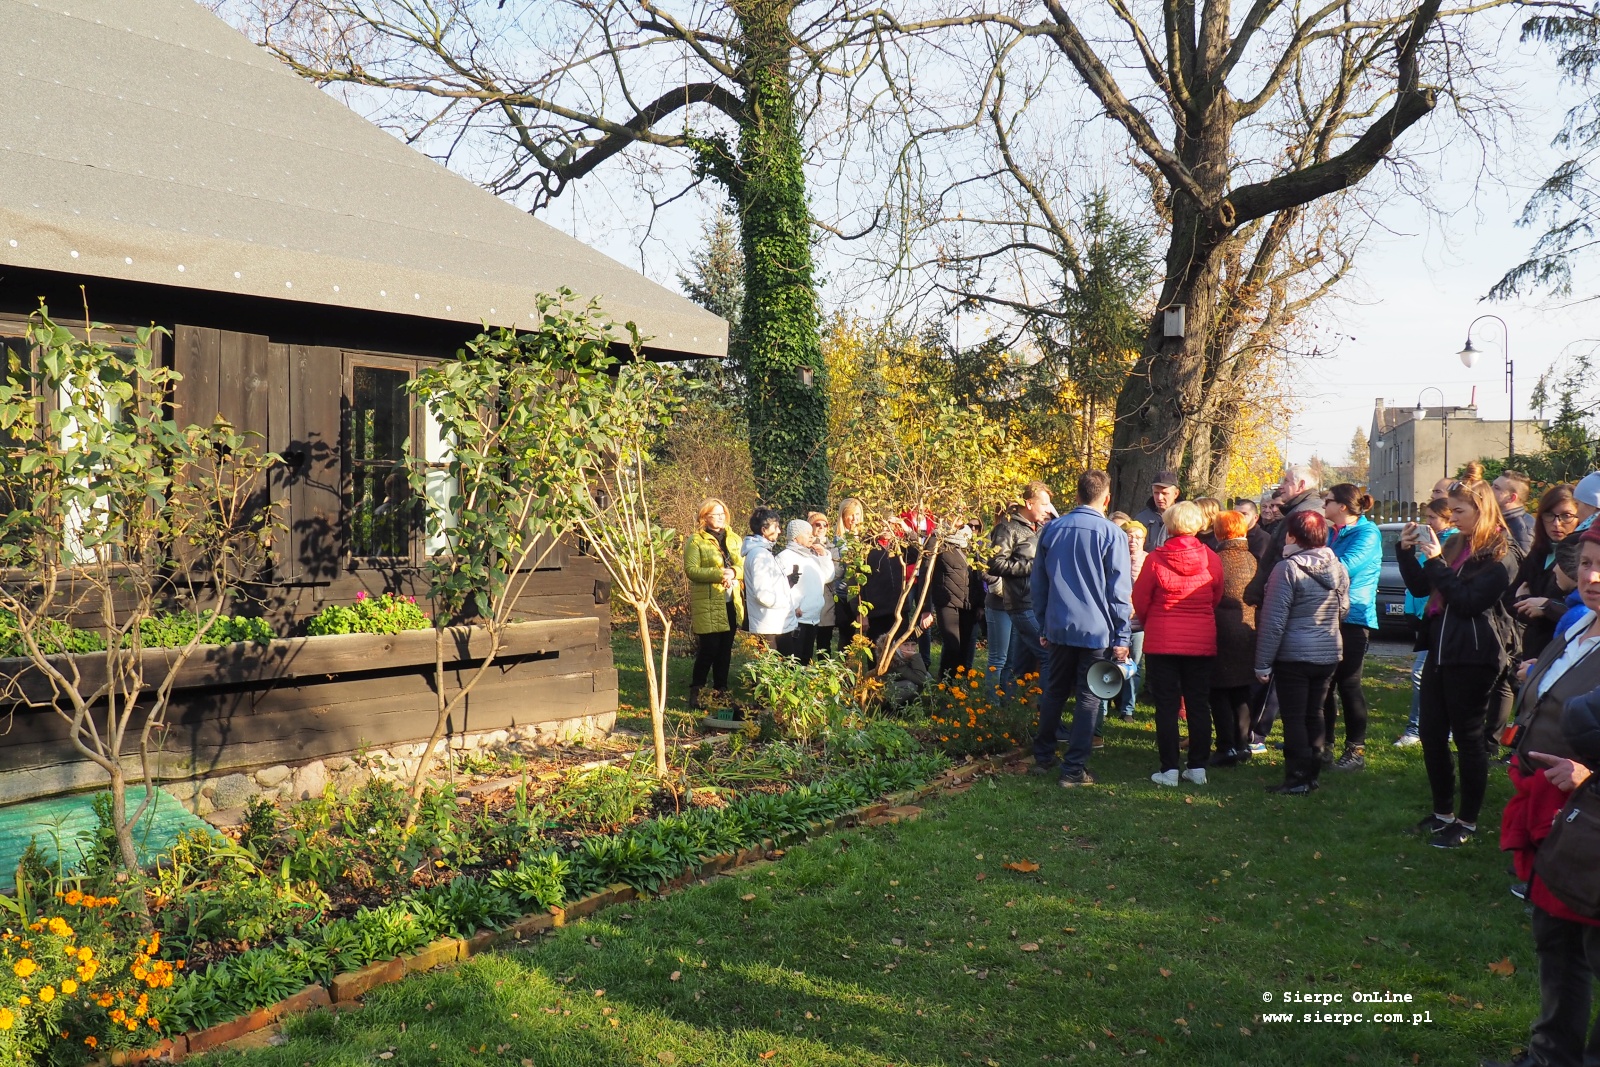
(1469,356)
(1444,419)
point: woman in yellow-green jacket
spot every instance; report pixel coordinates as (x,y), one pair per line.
(715,570)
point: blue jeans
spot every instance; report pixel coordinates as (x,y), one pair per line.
(1066,672)
(998,623)
(1024,657)
(1130,689)
(1416,690)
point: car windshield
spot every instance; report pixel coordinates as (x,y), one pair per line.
(1391,538)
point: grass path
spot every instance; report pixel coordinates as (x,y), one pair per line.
(1159,917)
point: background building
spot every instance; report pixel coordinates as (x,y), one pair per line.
(1407,455)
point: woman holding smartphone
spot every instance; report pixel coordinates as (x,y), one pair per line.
(1466,630)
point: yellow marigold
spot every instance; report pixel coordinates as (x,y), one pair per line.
(24,1000)
(24,967)
(7,1020)
(74,898)
(85,954)
(92,1042)
(47,994)
(973,684)
(68,986)
(59,927)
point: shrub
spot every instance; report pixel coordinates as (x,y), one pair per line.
(68,984)
(973,716)
(386,614)
(603,797)
(176,629)
(807,700)
(54,637)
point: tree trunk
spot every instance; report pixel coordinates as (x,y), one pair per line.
(779,335)
(656,686)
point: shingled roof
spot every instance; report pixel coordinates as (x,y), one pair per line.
(148,141)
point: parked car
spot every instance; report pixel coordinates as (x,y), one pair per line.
(1392,618)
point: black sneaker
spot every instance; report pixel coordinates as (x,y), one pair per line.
(1295,789)
(1519,890)
(1354,759)
(1453,836)
(1432,824)
(1073,781)
(1039,769)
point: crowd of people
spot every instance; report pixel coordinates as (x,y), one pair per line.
(1236,619)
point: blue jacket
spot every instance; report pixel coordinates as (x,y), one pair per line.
(1359,547)
(1082,590)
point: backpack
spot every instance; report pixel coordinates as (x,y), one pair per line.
(1568,861)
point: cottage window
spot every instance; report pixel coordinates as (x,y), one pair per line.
(380,508)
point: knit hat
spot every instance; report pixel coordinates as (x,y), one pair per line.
(797,528)
(1587,491)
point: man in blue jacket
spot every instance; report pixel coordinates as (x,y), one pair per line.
(1083,599)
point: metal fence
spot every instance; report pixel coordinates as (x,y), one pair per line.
(1397,511)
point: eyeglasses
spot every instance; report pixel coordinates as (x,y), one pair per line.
(1563,516)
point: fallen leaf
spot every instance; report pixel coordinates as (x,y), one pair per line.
(674,976)
(748,896)
(666,1057)
(385,1055)
(1316,855)
(1165,973)
(599,992)
(1023,866)
(981,876)
(1108,1033)
(1030,947)
(1180,1022)
(771,1052)
(1188,800)
(1504,968)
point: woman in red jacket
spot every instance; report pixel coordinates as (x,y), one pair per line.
(1176,598)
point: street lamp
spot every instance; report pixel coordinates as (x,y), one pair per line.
(1444,417)
(1469,355)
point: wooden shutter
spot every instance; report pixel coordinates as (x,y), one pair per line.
(314,547)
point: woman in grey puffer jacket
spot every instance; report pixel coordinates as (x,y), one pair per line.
(1298,644)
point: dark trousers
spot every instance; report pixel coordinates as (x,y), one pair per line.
(1499,710)
(1569,956)
(1066,673)
(846,621)
(1181,681)
(713,653)
(957,639)
(1230,711)
(800,642)
(824,635)
(1346,689)
(1302,689)
(1455,702)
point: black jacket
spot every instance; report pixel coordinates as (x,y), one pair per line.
(1272,554)
(886,578)
(1475,629)
(1155,528)
(1541,582)
(1258,540)
(952,581)
(1014,542)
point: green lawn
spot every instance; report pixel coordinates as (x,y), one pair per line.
(1153,926)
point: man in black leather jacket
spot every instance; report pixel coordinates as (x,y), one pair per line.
(1013,543)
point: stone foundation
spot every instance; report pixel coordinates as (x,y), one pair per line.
(223,797)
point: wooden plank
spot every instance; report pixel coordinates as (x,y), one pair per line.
(251,664)
(379,722)
(195,355)
(242,385)
(315,546)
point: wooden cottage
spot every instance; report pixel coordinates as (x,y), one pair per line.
(306,264)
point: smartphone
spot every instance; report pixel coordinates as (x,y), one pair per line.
(1425,534)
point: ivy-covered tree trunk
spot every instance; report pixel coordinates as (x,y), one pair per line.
(780,334)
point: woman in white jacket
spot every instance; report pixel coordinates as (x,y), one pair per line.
(770,602)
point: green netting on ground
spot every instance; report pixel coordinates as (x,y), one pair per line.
(71,822)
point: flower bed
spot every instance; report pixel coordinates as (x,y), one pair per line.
(244,926)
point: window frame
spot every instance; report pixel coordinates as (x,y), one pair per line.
(416,538)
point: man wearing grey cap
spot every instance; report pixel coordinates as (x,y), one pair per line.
(1163,494)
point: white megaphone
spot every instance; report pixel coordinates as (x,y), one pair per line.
(1105,679)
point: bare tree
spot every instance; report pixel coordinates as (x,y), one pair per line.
(1251,128)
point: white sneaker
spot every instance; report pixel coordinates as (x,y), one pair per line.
(1197,775)
(1407,739)
(1166,778)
